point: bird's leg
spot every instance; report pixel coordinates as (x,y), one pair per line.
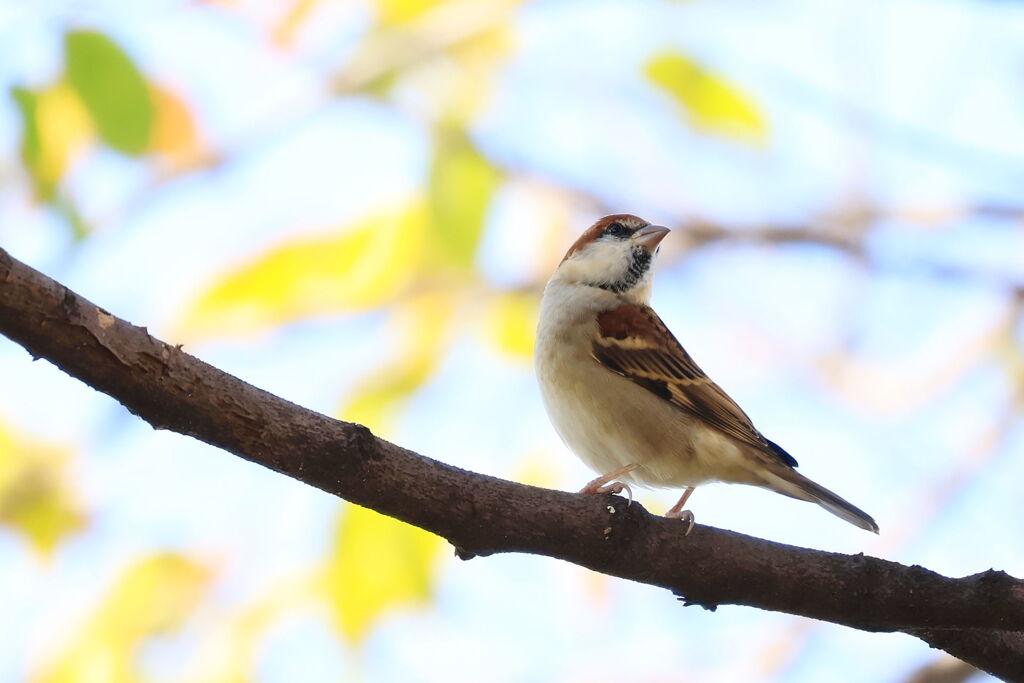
(677,511)
(601,485)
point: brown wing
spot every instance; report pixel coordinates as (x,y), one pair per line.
(635,343)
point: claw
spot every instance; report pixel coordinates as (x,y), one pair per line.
(614,487)
(684,515)
(677,511)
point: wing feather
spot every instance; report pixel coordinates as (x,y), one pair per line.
(633,342)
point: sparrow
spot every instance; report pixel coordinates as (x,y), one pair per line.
(629,401)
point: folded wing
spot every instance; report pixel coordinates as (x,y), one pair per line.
(633,342)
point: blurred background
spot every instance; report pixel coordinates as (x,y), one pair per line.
(355,204)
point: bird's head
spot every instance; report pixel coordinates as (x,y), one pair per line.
(614,254)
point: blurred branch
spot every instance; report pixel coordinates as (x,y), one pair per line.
(845,230)
(702,234)
(979,618)
(943,669)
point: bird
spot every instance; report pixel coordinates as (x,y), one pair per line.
(625,396)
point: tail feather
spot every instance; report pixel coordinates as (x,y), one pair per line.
(791,483)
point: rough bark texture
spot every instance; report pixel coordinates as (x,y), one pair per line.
(979,618)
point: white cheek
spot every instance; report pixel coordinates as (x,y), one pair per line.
(600,261)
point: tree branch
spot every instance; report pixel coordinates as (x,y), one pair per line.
(979,618)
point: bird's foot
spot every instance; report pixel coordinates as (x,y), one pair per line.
(613,487)
(684,515)
(606,484)
(677,511)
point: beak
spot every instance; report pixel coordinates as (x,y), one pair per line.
(650,236)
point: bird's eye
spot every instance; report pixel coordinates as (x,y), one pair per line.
(618,230)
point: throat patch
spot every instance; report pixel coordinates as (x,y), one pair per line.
(638,267)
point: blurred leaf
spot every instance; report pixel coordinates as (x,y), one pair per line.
(540,468)
(478,60)
(367,265)
(511,323)
(379,398)
(713,105)
(31,142)
(153,596)
(230,650)
(1010,354)
(462,183)
(285,29)
(380,86)
(421,324)
(34,496)
(424,41)
(114,91)
(55,127)
(378,564)
(174,135)
(73,218)
(390,12)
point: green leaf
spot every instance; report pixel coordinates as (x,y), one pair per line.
(378,564)
(711,103)
(55,130)
(73,218)
(31,146)
(113,89)
(462,184)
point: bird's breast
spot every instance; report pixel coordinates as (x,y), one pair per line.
(609,422)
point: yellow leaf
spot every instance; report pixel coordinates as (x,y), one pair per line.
(362,267)
(378,565)
(56,129)
(712,104)
(34,496)
(391,12)
(511,323)
(462,183)
(153,596)
(421,324)
(174,135)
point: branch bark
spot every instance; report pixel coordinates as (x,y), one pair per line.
(978,618)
